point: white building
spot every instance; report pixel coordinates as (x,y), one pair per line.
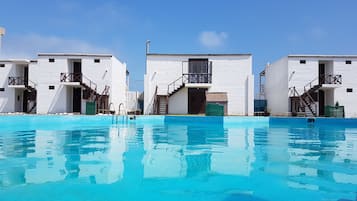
(183,83)
(17,91)
(308,83)
(63,83)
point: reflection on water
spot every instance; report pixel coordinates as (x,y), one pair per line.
(314,159)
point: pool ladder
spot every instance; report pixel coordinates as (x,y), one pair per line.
(115,117)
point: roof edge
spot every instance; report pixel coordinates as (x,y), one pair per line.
(75,54)
(320,56)
(169,54)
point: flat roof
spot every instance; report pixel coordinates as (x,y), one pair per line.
(320,56)
(16,61)
(75,54)
(207,55)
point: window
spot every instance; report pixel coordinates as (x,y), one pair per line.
(349,90)
(51,87)
(348,62)
(51,60)
(2,65)
(2,89)
(199,71)
(96,60)
(302,61)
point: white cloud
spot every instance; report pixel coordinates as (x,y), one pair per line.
(212,39)
(27,46)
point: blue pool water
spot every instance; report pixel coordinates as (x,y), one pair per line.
(177,158)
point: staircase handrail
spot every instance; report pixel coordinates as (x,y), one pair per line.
(179,81)
(325,79)
(295,92)
(309,84)
(20,80)
(78,77)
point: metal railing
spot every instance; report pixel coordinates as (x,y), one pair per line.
(324,79)
(16,81)
(199,77)
(191,78)
(20,81)
(78,77)
(304,101)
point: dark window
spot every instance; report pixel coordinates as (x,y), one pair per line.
(96,60)
(51,87)
(349,90)
(2,89)
(348,62)
(51,60)
(18,98)
(199,71)
(302,61)
(2,65)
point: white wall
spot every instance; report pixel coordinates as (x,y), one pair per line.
(231,74)
(300,75)
(132,100)
(118,88)
(7,97)
(45,74)
(178,102)
(276,87)
(161,71)
(109,71)
(348,72)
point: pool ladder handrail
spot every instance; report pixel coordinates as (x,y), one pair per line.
(125,114)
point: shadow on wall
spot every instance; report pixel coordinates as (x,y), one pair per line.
(56,103)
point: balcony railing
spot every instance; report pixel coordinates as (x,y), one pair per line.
(324,79)
(332,79)
(198,77)
(16,81)
(71,77)
(78,77)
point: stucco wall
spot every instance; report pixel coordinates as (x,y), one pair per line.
(347,99)
(276,87)
(231,74)
(109,71)
(178,102)
(7,97)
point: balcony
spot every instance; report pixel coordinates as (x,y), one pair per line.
(71,79)
(17,82)
(330,81)
(201,80)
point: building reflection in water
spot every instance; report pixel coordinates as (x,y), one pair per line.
(131,153)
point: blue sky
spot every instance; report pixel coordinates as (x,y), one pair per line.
(267,29)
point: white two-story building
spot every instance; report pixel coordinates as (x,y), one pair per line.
(309,83)
(63,83)
(184,83)
(17,91)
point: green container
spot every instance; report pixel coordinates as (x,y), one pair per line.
(90,108)
(334,111)
(213,109)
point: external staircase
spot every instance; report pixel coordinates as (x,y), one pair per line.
(308,100)
(30,88)
(90,91)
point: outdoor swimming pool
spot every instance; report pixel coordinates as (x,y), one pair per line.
(177,158)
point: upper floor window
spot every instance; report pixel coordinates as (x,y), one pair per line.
(51,60)
(2,65)
(199,71)
(302,61)
(348,62)
(96,60)
(2,89)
